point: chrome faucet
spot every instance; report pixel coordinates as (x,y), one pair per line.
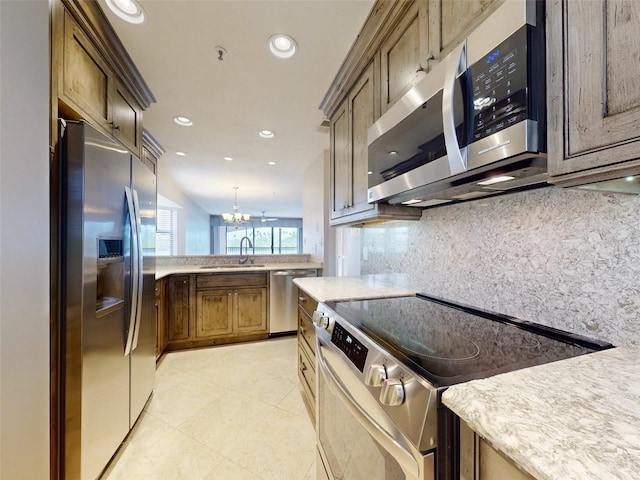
(246,257)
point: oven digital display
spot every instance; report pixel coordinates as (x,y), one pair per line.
(350,346)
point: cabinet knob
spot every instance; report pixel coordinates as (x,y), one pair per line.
(302,299)
(392,393)
(115,126)
(184,281)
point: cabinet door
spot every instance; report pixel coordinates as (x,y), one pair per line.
(362,116)
(452,20)
(340,162)
(84,80)
(493,466)
(349,155)
(161,327)
(404,56)
(214,310)
(178,308)
(250,310)
(126,116)
(594,93)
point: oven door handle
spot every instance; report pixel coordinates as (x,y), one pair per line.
(395,447)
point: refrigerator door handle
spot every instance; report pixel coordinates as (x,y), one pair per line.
(140,270)
(134,271)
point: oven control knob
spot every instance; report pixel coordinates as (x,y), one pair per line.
(321,320)
(392,393)
(376,375)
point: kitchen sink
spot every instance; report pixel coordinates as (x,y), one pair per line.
(216,267)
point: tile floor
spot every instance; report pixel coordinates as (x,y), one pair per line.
(231,412)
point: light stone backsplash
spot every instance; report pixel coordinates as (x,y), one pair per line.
(566,258)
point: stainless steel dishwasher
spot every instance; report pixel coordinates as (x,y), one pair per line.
(283,301)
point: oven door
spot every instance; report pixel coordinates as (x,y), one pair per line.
(356,439)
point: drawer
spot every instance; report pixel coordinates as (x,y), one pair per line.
(306,330)
(307,373)
(306,302)
(224,280)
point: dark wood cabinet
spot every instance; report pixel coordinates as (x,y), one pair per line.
(593,105)
(307,350)
(217,308)
(161,318)
(178,325)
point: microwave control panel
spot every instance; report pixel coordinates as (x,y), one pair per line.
(500,86)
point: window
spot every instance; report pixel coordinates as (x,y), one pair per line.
(166,231)
(266,240)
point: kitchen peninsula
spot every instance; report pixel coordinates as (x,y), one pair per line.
(214,299)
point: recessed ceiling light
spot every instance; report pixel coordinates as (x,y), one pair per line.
(181,154)
(282,46)
(393,152)
(128,10)
(229,159)
(266,134)
(184,121)
(271,163)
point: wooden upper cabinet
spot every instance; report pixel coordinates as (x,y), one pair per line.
(85,77)
(452,20)
(340,163)
(593,90)
(404,56)
(93,77)
(362,114)
(151,151)
(126,116)
(349,179)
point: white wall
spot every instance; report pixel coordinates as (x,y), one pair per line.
(313,209)
(24,240)
(194,230)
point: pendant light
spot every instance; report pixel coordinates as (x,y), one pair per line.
(236,218)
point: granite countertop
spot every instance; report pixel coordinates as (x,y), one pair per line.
(325,289)
(165,270)
(575,419)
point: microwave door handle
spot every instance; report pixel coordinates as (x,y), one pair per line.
(134,272)
(393,445)
(457,65)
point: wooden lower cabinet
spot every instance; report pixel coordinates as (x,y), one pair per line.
(480,461)
(307,351)
(177,308)
(161,318)
(228,312)
(213,309)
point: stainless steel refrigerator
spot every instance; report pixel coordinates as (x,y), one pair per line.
(107,304)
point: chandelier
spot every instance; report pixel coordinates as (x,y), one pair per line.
(236,218)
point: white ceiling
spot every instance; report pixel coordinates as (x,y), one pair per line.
(230,101)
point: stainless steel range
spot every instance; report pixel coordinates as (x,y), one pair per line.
(384,364)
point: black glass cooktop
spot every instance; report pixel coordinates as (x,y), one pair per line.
(449,343)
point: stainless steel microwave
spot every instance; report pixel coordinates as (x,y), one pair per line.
(475,125)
